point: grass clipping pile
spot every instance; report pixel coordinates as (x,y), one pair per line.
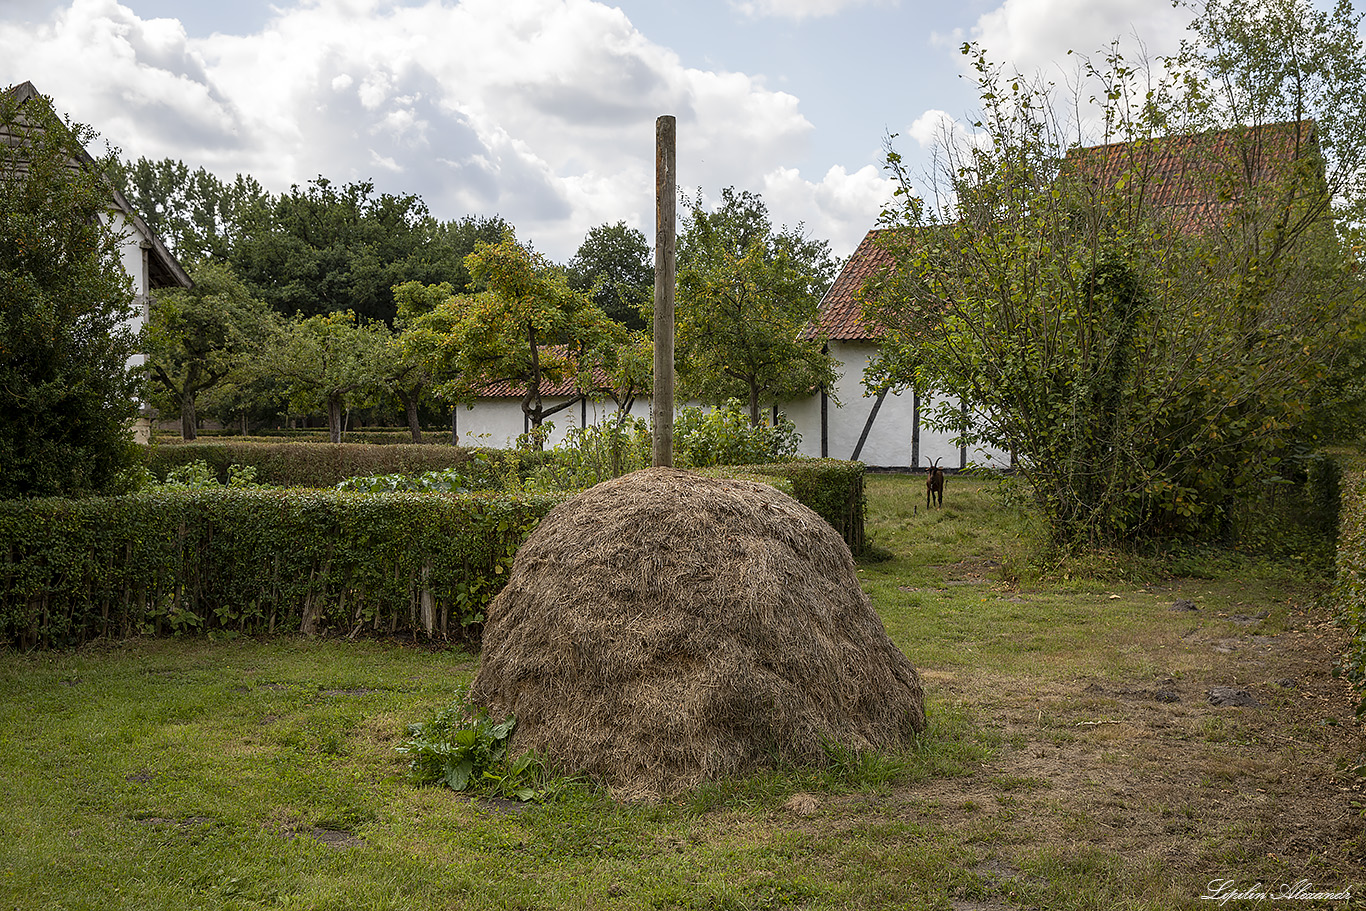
(663,628)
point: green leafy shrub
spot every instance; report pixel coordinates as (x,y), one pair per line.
(463,748)
(198,474)
(704,438)
(608,450)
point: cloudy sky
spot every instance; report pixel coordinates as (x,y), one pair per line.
(543,111)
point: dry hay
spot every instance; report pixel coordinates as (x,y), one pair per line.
(663,628)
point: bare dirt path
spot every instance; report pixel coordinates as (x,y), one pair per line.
(1243,767)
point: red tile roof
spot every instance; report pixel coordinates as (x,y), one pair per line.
(841,315)
(1199,178)
(565,389)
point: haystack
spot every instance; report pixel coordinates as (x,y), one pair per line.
(664,628)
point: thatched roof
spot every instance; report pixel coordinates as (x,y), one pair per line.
(663,628)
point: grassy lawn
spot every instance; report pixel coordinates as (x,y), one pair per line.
(1075,760)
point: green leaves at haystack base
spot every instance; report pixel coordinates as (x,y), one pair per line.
(463,748)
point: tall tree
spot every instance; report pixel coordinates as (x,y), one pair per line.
(195,213)
(198,337)
(329,248)
(66,399)
(747,297)
(1142,321)
(615,267)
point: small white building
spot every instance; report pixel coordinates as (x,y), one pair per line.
(150,266)
(887,430)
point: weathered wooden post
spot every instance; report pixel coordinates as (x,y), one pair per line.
(666,201)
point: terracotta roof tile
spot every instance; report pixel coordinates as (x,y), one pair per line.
(566,388)
(1189,176)
(841,313)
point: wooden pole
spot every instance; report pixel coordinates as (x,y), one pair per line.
(666,201)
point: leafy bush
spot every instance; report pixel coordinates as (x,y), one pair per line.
(198,474)
(462,747)
(704,438)
(593,454)
(485,471)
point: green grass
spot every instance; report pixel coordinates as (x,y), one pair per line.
(187,774)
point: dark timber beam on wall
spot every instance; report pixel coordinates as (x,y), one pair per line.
(963,447)
(915,429)
(868,425)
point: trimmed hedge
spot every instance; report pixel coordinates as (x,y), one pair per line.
(324,464)
(1349,590)
(254,561)
(258,561)
(831,488)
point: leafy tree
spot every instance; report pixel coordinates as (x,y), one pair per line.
(198,337)
(747,296)
(1146,360)
(326,249)
(615,267)
(328,362)
(413,361)
(197,215)
(66,399)
(527,328)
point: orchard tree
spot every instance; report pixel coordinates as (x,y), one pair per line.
(526,328)
(747,296)
(328,363)
(66,399)
(1148,358)
(615,267)
(197,338)
(414,364)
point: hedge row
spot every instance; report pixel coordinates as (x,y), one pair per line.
(368,435)
(298,559)
(323,464)
(254,561)
(1350,585)
(831,488)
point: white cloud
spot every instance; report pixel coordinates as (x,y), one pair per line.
(840,208)
(541,111)
(1035,35)
(801,9)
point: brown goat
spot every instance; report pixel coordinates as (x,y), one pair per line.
(934,486)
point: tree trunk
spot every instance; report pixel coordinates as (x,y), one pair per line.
(334,417)
(188,418)
(754,404)
(410,410)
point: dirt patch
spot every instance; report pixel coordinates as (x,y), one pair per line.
(970,571)
(1238,767)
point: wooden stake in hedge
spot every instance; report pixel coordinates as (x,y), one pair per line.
(666,200)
